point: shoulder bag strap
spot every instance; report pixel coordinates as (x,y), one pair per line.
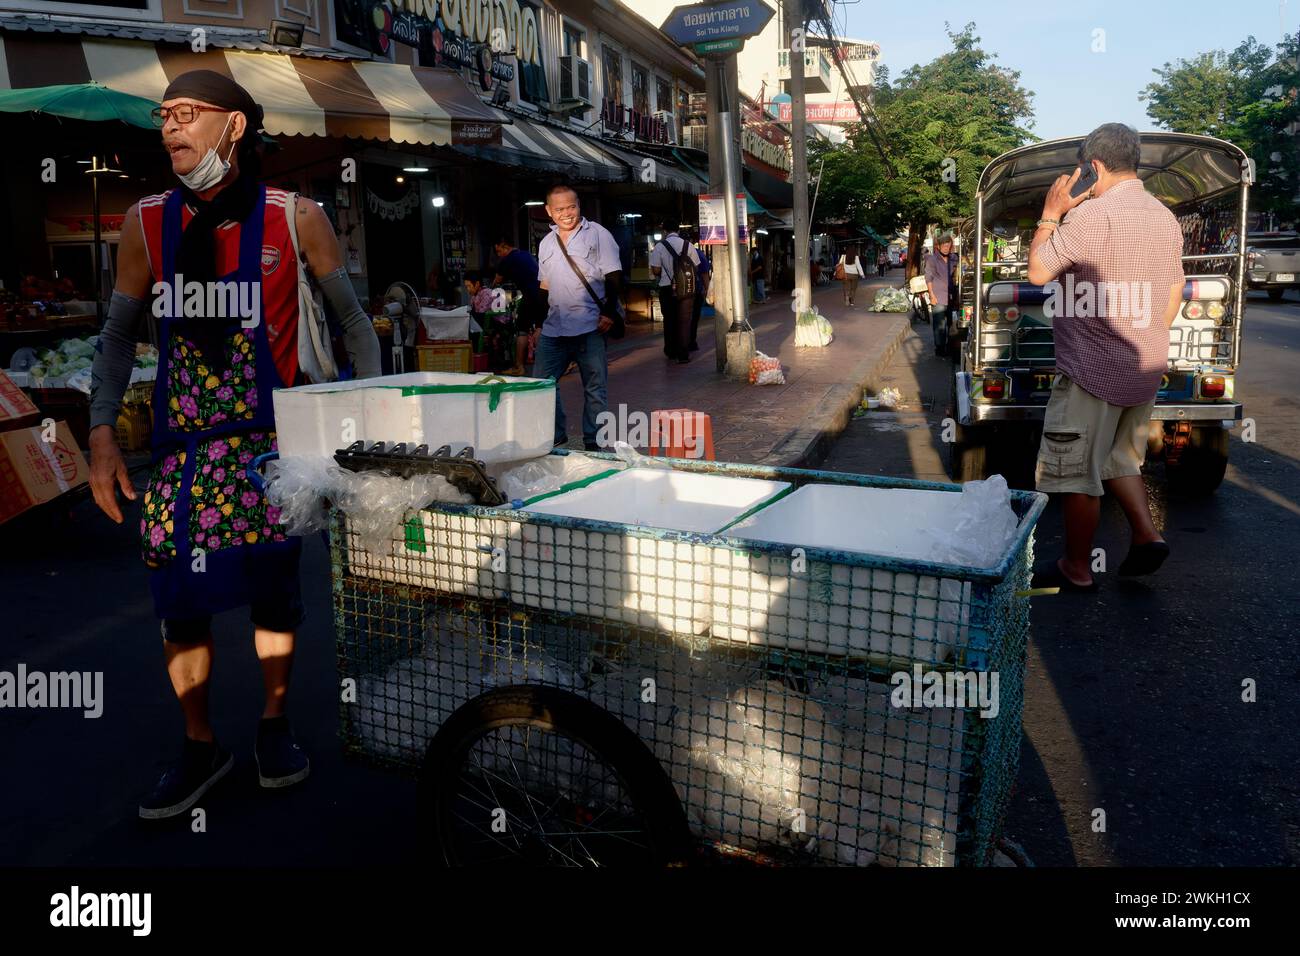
(578,272)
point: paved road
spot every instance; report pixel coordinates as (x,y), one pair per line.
(1133,697)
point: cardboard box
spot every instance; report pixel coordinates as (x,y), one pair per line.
(445,357)
(16,409)
(34,471)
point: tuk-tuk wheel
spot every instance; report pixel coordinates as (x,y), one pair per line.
(1200,468)
(1275,295)
(968,455)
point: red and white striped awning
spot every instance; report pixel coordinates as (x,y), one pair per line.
(301,96)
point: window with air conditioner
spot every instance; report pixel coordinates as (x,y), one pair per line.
(575,80)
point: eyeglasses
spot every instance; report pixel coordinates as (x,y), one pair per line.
(183,114)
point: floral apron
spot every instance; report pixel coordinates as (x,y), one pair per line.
(206,533)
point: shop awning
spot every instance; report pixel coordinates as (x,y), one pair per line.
(667,174)
(539,146)
(772,192)
(301,96)
(752,206)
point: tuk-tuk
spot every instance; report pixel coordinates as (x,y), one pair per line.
(1007,362)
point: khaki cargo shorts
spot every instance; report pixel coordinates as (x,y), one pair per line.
(1087,441)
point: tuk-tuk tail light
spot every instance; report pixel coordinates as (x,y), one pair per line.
(995,387)
(1213,386)
(1216,310)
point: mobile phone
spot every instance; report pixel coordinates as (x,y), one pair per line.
(1087,179)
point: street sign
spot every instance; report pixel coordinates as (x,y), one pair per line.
(729,20)
(718,46)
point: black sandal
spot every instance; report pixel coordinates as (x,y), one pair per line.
(1054,577)
(1144,559)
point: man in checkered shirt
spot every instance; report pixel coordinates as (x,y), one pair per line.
(1113,268)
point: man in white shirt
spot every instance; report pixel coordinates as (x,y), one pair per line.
(582,306)
(676,309)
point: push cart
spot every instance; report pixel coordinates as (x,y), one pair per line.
(573,691)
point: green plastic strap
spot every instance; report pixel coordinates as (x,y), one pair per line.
(494,391)
(757,508)
(415,535)
(574,485)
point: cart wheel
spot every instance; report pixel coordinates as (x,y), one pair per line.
(535,776)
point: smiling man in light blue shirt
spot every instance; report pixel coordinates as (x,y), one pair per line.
(579,313)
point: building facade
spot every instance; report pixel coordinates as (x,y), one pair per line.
(427,129)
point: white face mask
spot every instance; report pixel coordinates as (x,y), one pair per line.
(211,169)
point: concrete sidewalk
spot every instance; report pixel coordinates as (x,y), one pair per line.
(792,424)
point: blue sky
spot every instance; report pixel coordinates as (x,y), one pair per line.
(1050,43)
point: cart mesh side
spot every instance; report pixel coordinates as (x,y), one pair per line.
(762,681)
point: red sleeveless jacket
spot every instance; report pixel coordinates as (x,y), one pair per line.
(279,271)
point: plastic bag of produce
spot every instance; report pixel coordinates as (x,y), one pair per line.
(765,370)
(890,300)
(812,330)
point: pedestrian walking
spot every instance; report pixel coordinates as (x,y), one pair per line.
(757,275)
(849,269)
(882,262)
(941,281)
(211,541)
(1109,361)
(674,262)
(579,269)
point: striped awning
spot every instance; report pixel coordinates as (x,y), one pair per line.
(550,149)
(301,96)
(666,174)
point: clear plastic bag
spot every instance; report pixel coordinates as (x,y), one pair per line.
(632,458)
(889,397)
(765,370)
(376,504)
(539,476)
(984,529)
(812,330)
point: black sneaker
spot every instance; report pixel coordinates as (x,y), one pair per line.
(280,761)
(184,783)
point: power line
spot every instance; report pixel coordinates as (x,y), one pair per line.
(870,121)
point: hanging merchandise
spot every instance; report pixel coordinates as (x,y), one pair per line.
(393,210)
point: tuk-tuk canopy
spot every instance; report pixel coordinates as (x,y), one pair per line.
(1176,168)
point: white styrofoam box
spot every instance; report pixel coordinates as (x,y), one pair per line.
(457,555)
(833,608)
(647,581)
(421,408)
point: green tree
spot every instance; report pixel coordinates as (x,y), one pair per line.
(1247,96)
(941,123)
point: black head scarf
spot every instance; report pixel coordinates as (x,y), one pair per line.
(196,256)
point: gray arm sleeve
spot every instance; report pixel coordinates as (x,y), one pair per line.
(110,373)
(358,334)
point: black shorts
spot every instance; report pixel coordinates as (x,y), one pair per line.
(275,603)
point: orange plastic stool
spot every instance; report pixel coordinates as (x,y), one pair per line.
(681,433)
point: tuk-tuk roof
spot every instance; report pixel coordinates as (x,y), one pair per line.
(1176,168)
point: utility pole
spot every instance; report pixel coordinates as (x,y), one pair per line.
(717,29)
(732,331)
(796,43)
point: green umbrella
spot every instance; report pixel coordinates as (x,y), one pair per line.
(84,101)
